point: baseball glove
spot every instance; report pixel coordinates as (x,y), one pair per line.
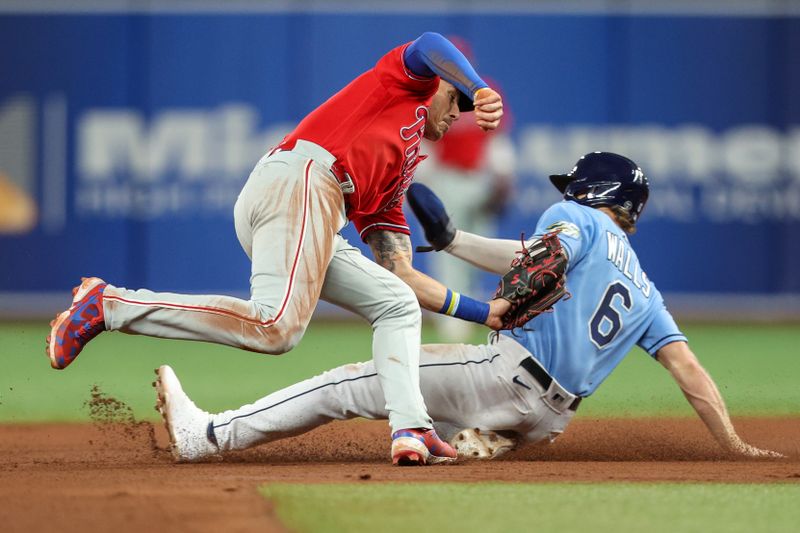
(535,282)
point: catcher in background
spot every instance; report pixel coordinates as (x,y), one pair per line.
(525,384)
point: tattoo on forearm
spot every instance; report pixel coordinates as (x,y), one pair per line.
(389,247)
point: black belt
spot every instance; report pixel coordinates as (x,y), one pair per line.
(544,379)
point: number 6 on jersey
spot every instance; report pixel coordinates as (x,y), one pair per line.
(606,321)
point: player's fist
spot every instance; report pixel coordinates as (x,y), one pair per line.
(488,108)
(497,310)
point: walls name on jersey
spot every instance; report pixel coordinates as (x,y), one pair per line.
(623,257)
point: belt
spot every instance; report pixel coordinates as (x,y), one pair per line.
(544,379)
(344,179)
(323,157)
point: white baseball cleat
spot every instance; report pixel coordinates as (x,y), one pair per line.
(476,444)
(186,423)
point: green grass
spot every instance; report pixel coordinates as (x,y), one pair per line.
(756,368)
(216,377)
(501,507)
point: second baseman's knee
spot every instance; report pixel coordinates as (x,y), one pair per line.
(285,340)
(278,337)
(401,305)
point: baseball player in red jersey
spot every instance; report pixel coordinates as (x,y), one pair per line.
(351,158)
(474,171)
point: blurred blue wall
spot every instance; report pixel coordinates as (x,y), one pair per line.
(134,132)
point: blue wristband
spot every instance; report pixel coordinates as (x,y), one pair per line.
(464,307)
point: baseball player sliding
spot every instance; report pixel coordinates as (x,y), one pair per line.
(350,159)
(524,385)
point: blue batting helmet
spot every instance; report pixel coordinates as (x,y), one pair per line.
(605,179)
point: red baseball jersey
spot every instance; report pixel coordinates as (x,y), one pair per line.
(374,128)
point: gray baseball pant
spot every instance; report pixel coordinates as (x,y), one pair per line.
(287,219)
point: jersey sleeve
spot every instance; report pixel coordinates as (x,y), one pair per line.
(577,228)
(432,54)
(390,220)
(396,78)
(662,331)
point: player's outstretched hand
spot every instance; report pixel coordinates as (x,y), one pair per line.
(497,310)
(488,108)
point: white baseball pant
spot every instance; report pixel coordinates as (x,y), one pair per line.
(287,219)
(465,386)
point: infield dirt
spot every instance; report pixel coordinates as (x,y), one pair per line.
(118,476)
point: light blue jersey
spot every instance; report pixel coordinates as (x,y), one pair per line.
(613,306)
